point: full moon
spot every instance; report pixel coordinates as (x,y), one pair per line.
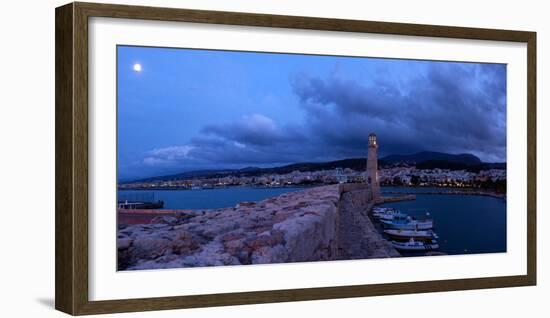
(137,67)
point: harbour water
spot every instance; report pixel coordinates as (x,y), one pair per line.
(465,223)
(212,198)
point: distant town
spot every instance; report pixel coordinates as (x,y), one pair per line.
(493,179)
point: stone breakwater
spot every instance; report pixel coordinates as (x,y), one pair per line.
(358,237)
(293,227)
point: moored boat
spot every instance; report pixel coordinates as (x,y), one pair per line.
(407,223)
(422,235)
(378,209)
(388,214)
(140,205)
(415,246)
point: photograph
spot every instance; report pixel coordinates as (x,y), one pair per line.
(229,158)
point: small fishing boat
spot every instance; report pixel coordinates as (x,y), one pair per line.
(141,200)
(407,223)
(389,214)
(415,246)
(386,213)
(401,235)
(378,209)
(132,205)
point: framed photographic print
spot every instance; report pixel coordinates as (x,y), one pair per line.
(211,158)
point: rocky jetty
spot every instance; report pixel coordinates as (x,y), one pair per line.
(358,237)
(293,227)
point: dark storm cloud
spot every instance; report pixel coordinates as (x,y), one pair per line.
(447,107)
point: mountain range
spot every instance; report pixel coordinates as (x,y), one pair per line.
(422,160)
(466,159)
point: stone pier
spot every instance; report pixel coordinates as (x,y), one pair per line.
(359,239)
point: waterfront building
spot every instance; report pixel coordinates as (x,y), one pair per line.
(341,176)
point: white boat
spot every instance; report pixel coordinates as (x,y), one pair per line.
(378,209)
(389,215)
(415,246)
(422,235)
(408,223)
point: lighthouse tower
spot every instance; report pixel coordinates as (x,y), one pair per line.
(372,168)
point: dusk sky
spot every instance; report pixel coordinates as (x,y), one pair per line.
(183,109)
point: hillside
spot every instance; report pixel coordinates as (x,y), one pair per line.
(413,159)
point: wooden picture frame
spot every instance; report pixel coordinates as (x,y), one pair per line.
(71,124)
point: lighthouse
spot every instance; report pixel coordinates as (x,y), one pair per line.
(372,168)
